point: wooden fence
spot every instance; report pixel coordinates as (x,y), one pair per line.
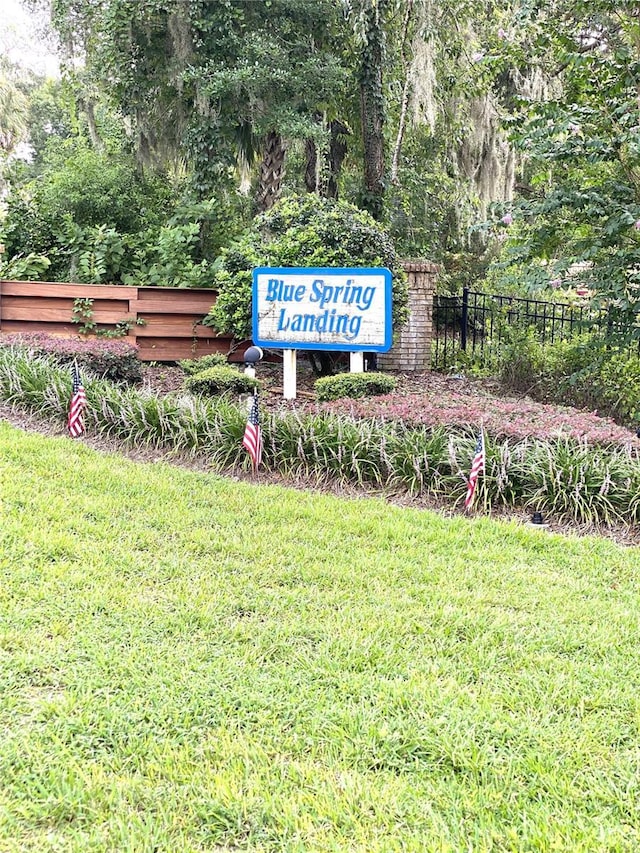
(164,322)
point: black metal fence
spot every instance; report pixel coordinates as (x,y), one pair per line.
(477,323)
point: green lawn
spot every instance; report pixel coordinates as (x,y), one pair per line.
(193,664)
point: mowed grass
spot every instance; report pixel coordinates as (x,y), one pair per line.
(193,664)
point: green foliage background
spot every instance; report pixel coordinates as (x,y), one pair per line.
(303,231)
(499,142)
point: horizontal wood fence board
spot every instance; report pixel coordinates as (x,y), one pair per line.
(58,315)
(210,344)
(171,329)
(72,291)
(55,315)
(159,306)
(221,344)
(39,303)
(151,349)
(185,322)
(111,316)
(203,294)
(21,327)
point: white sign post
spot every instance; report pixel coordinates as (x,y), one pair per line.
(289,365)
(356,362)
(321,308)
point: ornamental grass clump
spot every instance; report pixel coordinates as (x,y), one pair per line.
(416,460)
(328,448)
(353,385)
(33,381)
(212,427)
(571,480)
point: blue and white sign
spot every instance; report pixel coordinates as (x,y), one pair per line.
(322,308)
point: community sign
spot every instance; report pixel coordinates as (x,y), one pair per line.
(322,308)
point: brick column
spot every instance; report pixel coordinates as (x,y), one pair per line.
(411,350)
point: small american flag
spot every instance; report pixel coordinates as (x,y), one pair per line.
(77,405)
(252,440)
(477,467)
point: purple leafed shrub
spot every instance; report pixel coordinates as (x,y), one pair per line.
(503,418)
(114,360)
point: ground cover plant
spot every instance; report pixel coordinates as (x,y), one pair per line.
(441,403)
(573,480)
(587,372)
(189,663)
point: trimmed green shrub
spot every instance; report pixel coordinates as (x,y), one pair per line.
(524,363)
(192,366)
(353,385)
(304,231)
(221,380)
(520,359)
(108,359)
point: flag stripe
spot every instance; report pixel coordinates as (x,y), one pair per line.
(477,467)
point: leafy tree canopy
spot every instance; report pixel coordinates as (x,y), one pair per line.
(87,188)
(525,114)
(578,216)
(304,231)
(208,80)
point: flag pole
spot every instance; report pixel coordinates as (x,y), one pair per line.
(252,439)
(254,456)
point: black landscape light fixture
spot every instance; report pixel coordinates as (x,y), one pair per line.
(537,521)
(251,357)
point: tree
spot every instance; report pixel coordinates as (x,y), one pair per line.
(323,163)
(213,84)
(14,106)
(52,118)
(447,86)
(372,106)
(579,214)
